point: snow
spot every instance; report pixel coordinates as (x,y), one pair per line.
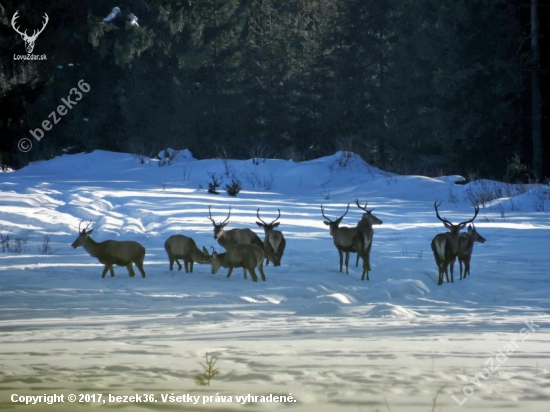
(329,339)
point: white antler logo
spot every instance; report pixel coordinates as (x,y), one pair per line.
(29,40)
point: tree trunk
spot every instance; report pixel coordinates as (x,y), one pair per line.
(536,132)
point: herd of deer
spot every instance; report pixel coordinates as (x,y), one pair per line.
(244,249)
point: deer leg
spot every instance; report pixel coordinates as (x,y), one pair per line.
(341,259)
(368,259)
(244,273)
(253,274)
(442,270)
(347,262)
(191,263)
(467,266)
(105,269)
(171,259)
(186,264)
(139,265)
(357,261)
(452,269)
(179,264)
(131,270)
(261,269)
(229,272)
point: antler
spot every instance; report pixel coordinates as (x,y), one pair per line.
(14,18)
(462,224)
(37,32)
(221,223)
(210,216)
(444,220)
(323,212)
(279,210)
(363,208)
(258,214)
(86,228)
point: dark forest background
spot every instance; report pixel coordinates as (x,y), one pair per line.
(413,86)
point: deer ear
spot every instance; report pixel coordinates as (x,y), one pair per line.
(447,225)
(276,224)
(89,232)
(205,251)
(326,223)
(259,224)
(470,229)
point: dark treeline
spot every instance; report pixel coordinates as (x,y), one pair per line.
(413,86)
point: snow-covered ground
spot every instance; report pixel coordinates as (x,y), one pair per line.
(330,340)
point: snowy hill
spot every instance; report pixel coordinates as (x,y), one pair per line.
(330,339)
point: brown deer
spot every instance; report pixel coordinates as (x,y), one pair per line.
(342,237)
(249,257)
(228,239)
(112,252)
(465,248)
(362,241)
(445,245)
(183,247)
(274,242)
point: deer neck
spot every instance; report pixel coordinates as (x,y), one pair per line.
(198,255)
(468,245)
(92,247)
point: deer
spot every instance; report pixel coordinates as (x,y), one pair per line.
(465,248)
(362,241)
(342,237)
(29,40)
(247,256)
(183,247)
(112,252)
(445,245)
(274,242)
(228,239)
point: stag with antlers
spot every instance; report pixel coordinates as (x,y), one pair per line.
(445,245)
(274,242)
(230,238)
(112,252)
(362,241)
(342,237)
(29,40)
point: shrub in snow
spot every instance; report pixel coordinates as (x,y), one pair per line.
(234,188)
(215,182)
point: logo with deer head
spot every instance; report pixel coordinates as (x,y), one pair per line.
(29,40)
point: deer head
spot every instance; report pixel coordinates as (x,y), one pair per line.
(333,224)
(82,235)
(476,237)
(268,226)
(454,229)
(373,220)
(218,227)
(29,40)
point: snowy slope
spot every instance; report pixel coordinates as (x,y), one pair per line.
(328,338)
